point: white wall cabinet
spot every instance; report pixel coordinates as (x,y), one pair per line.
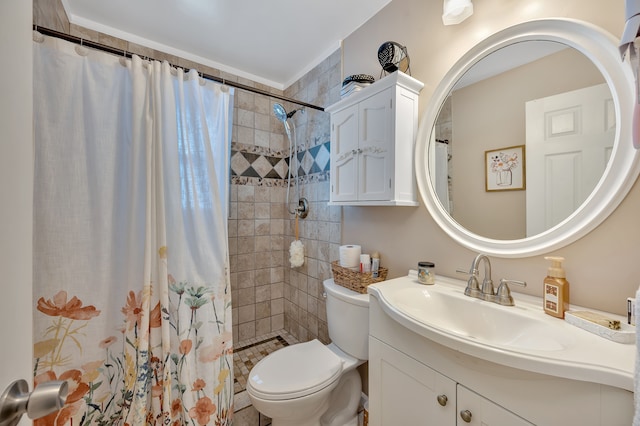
(408,375)
(426,397)
(373,134)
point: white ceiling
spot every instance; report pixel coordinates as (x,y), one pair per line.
(274,42)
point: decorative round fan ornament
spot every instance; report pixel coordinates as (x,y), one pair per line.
(393,56)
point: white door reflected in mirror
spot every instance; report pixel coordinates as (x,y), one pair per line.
(569,142)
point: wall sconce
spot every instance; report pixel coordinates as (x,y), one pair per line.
(456,11)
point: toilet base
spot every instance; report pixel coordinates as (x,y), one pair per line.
(305,411)
(344,401)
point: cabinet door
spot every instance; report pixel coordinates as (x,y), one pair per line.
(376,147)
(404,392)
(344,154)
(482,412)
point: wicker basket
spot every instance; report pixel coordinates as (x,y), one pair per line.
(354,280)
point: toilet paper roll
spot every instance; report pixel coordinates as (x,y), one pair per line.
(350,256)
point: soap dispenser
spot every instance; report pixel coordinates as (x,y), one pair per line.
(556,289)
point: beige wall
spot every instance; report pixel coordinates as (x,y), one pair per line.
(490,115)
(16,191)
(600,266)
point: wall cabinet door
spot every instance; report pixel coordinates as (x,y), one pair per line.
(403,391)
(344,158)
(376,146)
(474,409)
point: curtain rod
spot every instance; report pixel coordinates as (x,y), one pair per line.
(120,52)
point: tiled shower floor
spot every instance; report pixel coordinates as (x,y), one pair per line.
(247,353)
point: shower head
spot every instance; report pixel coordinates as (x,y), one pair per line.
(280,112)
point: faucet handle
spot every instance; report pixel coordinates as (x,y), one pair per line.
(467,273)
(516,282)
(503,294)
(473,287)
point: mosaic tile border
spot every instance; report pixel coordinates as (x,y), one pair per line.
(262,342)
(279,183)
(252,181)
(260,150)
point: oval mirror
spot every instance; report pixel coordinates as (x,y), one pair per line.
(525,145)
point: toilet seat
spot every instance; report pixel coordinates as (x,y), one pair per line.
(295,371)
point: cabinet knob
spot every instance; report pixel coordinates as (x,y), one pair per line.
(354,151)
(466,416)
(442,400)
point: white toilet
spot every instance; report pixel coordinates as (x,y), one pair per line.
(310,384)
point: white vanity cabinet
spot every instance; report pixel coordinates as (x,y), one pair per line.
(409,374)
(410,393)
(407,392)
(373,133)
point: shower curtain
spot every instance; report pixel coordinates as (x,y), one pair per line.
(131,271)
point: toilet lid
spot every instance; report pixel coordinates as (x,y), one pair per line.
(294,371)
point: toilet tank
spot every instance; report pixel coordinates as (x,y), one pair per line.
(348,319)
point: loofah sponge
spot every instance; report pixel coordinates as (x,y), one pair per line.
(296,254)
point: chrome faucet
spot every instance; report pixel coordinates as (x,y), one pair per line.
(473,287)
(502,296)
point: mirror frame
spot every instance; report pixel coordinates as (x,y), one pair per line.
(621,171)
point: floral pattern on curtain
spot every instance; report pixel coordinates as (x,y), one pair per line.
(131,279)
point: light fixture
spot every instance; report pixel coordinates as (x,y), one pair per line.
(456,11)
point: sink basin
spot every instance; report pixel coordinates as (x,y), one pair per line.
(520,336)
(486,322)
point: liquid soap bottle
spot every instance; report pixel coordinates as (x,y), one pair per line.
(556,289)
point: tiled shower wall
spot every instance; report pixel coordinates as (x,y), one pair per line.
(320,232)
(267,294)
